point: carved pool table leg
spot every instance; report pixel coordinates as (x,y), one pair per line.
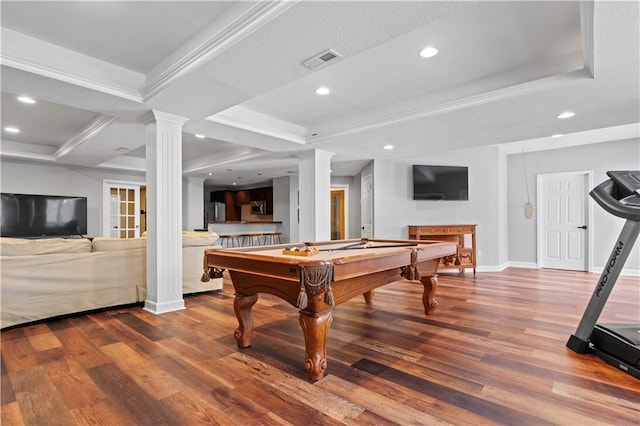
(242,305)
(430,284)
(368,296)
(315,328)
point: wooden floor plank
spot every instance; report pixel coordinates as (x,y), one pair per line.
(493,353)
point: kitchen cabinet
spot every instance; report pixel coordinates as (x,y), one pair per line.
(243,197)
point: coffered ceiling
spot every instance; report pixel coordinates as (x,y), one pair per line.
(503,72)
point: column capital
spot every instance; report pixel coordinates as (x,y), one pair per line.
(154,116)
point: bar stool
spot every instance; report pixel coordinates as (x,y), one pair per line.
(270,237)
(250,239)
(231,240)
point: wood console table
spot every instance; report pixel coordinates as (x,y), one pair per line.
(466,256)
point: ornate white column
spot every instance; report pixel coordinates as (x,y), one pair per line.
(164,212)
(314,171)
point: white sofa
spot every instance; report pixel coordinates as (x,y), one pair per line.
(46,278)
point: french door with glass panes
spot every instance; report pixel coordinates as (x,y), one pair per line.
(122,210)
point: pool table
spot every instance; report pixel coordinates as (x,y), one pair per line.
(324,276)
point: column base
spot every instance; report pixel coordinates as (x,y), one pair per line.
(163,307)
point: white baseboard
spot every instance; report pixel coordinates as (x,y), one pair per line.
(531,265)
(493,268)
(625,271)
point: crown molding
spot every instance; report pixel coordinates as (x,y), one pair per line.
(263,130)
(124,163)
(458,104)
(586,137)
(259,15)
(158,117)
(586,28)
(215,160)
(38,67)
(95,127)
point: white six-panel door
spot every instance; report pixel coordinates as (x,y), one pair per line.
(366,206)
(563,218)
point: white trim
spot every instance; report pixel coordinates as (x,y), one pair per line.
(586,27)
(263,130)
(164,307)
(38,67)
(493,268)
(250,21)
(462,103)
(92,129)
(517,264)
(530,265)
(625,271)
(24,155)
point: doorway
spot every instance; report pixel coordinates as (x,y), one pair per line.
(366,206)
(122,208)
(339,223)
(564,218)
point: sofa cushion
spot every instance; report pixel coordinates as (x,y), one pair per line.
(199,238)
(27,247)
(117,244)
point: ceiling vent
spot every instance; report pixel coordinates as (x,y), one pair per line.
(322,59)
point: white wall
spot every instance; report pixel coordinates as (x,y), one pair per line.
(282,206)
(394,208)
(193,203)
(49,179)
(599,158)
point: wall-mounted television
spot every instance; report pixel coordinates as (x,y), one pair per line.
(440,182)
(38,216)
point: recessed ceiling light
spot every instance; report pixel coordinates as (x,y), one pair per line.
(323,91)
(388,147)
(12,129)
(428,52)
(197,135)
(26,100)
(566,114)
(557,135)
(210,174)
(234,183)
(122,149)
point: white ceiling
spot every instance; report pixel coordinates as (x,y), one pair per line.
(503,73)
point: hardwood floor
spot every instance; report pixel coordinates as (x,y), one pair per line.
(494,353)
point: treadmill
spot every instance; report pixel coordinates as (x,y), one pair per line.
(616,344)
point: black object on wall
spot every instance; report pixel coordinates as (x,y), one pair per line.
(29,216)
(440,182)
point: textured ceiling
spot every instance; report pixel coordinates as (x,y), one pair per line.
(234,69)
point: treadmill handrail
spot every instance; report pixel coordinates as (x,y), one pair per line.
(602,194)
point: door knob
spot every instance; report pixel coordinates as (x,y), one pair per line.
(582,227)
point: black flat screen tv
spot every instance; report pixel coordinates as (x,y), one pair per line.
(440,182)
(39,216)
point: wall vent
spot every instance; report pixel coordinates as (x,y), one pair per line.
(322,59)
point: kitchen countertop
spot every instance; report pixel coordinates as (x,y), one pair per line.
(240,222)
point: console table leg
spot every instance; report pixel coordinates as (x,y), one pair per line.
(430,285)
(242,305)
(315,328)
